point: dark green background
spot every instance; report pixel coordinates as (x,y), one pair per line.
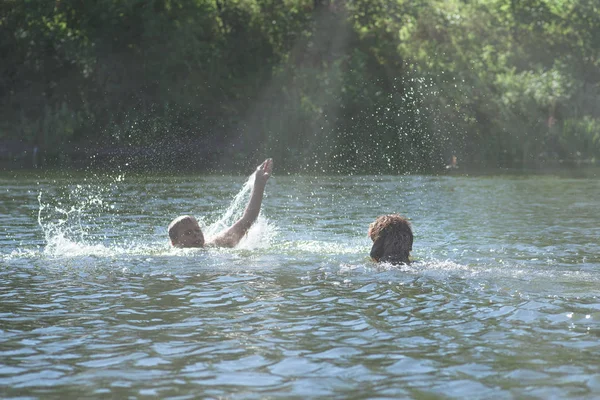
(365,86)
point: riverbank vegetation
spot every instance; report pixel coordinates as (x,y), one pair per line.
(362,86)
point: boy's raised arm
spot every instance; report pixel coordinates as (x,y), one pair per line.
(232,235)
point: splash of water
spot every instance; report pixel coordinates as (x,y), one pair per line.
(78,223)
(260,235)
(235,209)
(63,226)
(70,221)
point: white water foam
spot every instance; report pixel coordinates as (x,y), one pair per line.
(67,225)
(260,235)
(320,247)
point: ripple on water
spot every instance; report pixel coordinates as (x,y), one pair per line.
(501,302)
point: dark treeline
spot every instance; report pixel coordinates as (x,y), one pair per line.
(354,86)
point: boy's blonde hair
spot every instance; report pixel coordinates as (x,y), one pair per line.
(174,226)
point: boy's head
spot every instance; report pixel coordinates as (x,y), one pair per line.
(184,231)
(392,238)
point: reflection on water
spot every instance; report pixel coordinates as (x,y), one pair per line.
(501,301)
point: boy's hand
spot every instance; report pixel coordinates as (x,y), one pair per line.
(263,172)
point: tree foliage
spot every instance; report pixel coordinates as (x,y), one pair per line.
(347,86)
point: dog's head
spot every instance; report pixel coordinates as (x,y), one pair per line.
(392,238)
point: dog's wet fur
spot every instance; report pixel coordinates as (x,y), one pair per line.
(392,239)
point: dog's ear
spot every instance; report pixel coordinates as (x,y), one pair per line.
(377,249)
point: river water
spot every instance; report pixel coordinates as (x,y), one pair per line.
(501,301)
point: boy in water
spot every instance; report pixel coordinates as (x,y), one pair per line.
(184,231)
(392,239)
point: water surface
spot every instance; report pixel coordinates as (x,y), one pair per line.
(501,301)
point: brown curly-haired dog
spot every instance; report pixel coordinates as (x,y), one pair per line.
(392,239)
